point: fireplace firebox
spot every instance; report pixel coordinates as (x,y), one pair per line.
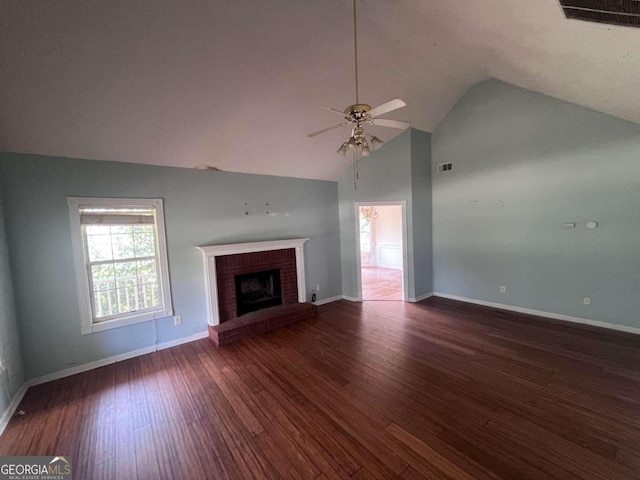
(258,290)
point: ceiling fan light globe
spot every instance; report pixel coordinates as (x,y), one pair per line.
(343,149)
(365,150)
(376,143)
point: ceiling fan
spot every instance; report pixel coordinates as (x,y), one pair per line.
(358,114)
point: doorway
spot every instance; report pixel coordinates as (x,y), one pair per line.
(381,251)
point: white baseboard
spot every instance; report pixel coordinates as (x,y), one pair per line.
(116,358)
(4,421)
(353,299)
(350,299)
(419,298)
(328,300)
(540,313)
(180,341)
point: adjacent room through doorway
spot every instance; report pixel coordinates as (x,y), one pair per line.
(381,252)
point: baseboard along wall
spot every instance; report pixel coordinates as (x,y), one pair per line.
(541,313)
(4,421)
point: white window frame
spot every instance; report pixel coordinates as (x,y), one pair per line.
(89,324)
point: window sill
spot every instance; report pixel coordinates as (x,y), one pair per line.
(122,322)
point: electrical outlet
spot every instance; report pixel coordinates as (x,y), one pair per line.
(586,301)
(317,287)
(177,320)
(503,289)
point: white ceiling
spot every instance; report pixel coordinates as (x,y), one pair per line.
(239,83)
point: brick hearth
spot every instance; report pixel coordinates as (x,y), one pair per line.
(262,321)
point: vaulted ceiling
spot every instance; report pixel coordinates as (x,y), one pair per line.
(238,84)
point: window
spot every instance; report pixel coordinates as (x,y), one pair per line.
(121,261)
(367,214)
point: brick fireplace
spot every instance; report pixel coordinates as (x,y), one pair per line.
(224,265)
(231,269)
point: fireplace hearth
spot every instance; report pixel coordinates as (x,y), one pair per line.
(257,290)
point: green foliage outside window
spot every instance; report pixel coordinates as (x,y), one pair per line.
(123,268)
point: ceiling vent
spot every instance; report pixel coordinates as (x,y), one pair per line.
(613,12)
(445,167)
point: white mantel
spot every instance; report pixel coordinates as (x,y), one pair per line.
(210,252)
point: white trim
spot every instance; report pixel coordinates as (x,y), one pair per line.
(389,247)
(250,247)
(114,359)
(6,417)
(121,322)
(351,299)
(540,313)
(88,324)
(11,409)
(419,298)
(328,300)
(210,252)
(180,341)
(405,256)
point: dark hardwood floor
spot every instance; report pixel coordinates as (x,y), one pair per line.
(376,390)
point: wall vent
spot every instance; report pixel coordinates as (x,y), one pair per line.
(445,167)
(613,12)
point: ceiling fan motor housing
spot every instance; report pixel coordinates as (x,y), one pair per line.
(358,112)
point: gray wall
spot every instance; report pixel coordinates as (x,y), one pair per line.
(386,175)
(524,164)
(11,378)
(201,207)
(422,214)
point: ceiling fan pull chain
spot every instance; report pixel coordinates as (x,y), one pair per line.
(355,170)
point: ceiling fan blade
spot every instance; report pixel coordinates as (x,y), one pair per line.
(387,107)
(385,122)
(335,110)
(315,134)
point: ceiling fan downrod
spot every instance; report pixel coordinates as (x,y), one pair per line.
(355,45)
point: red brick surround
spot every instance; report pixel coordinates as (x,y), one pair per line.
(228,266)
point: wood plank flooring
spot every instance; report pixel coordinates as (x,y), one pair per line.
(381,283)
(379,390)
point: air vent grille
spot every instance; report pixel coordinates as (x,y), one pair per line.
(445,167)
(613,12)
